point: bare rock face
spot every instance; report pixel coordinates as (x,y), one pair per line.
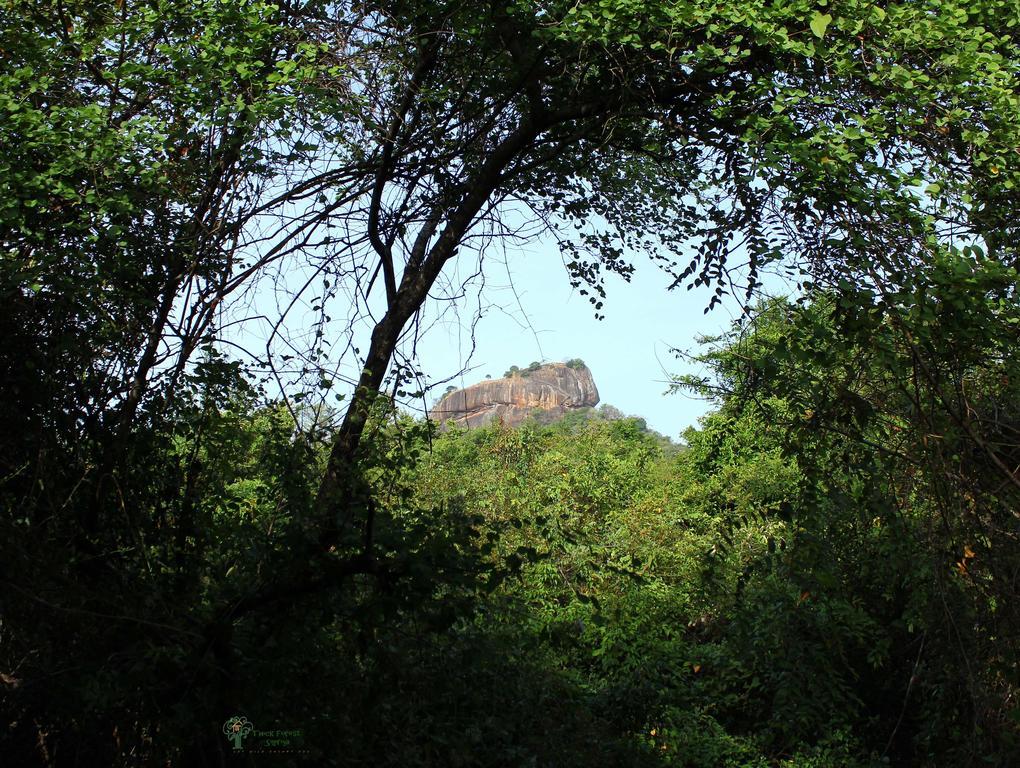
(553,389)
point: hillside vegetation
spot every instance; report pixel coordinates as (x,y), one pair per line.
(227,230)
(807,582)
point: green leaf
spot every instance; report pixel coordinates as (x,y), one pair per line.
(819,23)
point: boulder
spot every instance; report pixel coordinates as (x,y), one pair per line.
(550,390)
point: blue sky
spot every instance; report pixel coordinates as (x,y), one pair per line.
(530,312)
(522,309)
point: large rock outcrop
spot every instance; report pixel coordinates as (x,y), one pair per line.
(551,391)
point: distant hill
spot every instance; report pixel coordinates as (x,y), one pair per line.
(550,391)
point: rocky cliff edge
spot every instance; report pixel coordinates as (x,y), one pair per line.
(554,388)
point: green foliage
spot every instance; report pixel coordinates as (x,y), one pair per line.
(826,576)
(534,366)
(884,399)
(517,371)
(574,364)
(774,595)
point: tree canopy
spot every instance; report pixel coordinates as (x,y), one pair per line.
(216,214)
